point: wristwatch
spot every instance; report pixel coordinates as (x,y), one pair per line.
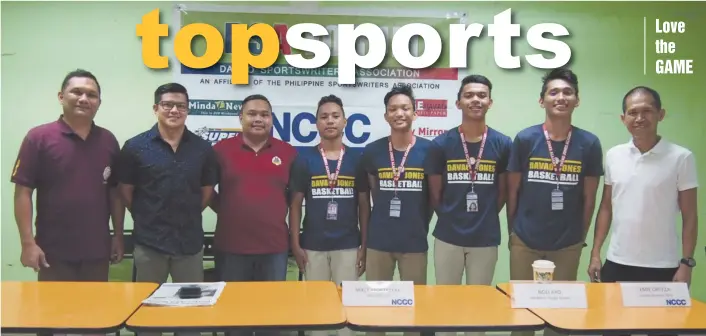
(688,262)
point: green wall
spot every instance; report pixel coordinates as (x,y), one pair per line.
(42,41)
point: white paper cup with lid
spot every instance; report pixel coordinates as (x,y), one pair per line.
(543,271)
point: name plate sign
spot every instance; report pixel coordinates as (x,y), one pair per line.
(549,295)
(378,293)
(655,294)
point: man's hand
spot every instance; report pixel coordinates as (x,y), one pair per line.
(594,269)
(117,250)
(33,256)
(683,274)
(360,262)
(509,241)
(301,258)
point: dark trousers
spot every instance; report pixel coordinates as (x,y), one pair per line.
(76,271)
(87,270)
(614,272)
(252,267)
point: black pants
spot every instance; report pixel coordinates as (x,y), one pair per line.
(613,272)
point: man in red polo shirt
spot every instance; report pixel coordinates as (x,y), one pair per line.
(252,201)
(68,163)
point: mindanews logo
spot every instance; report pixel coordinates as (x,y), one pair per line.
(216,108)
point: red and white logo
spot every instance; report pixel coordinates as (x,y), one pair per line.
(428,132)
(431,107)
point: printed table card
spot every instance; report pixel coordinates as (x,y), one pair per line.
(549,295)
(655,294)
(378,293)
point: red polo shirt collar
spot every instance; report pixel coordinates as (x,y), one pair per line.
(241,142)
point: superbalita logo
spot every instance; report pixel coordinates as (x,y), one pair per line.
(215,135)
(216,108)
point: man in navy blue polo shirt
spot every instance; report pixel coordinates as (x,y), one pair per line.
(554,170)
(167,175)
(69,162)
(399,224)
(467,182)
(332,244)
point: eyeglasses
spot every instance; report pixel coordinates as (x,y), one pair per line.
(181,107)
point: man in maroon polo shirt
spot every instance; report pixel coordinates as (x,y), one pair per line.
(252,201)
(69,162)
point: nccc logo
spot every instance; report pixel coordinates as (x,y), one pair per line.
(676,302)
(402,302)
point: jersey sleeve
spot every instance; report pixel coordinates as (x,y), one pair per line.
(435,159)
(361,176)
(504,158)
(594,161)
(517,155)
(299,175)
(366,161)
(26,169)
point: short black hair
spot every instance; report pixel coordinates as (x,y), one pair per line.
(563,74)
(643,89)
(330,99)
(169,88)
(257,97)
(478,79)
(402,89)
(80,73)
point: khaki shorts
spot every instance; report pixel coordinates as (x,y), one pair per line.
(450,262)
(156,267)
(521,258)
(336,266)
(380,266)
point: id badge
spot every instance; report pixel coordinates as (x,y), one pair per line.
(557,199)
(472,202)
(395,207)
(332,211)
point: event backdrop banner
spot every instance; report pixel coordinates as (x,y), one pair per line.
(294,93)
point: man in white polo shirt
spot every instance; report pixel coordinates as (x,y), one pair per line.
(648,181)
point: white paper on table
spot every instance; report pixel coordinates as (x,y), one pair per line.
(167,295)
